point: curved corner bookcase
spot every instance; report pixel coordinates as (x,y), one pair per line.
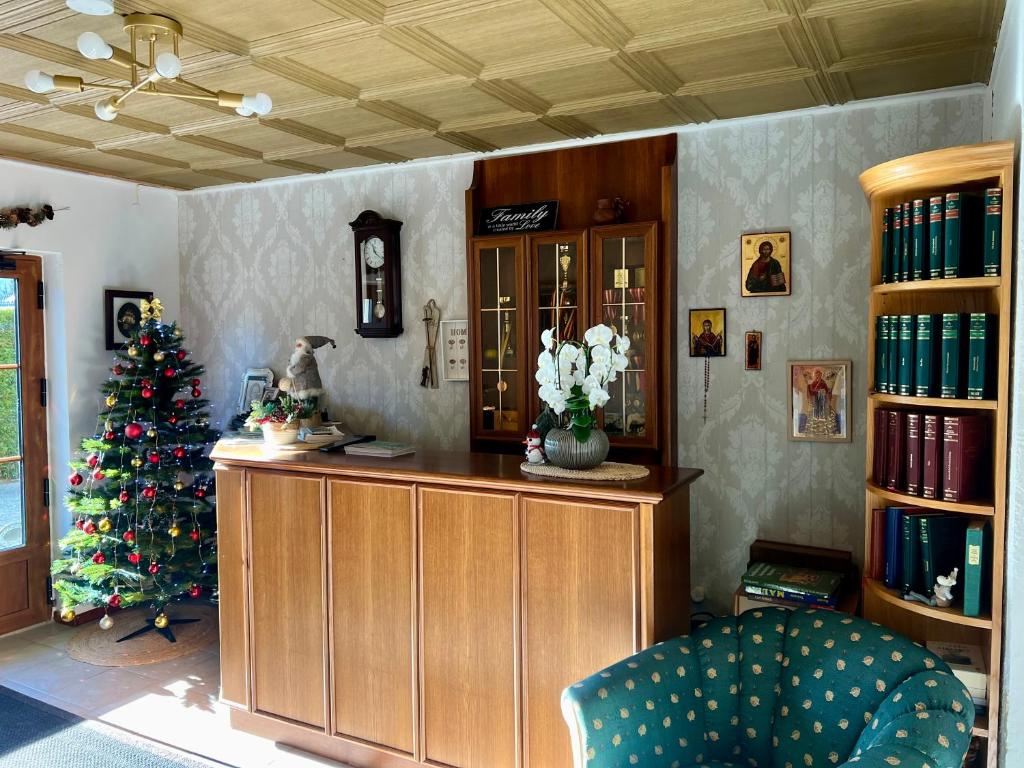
(975,167)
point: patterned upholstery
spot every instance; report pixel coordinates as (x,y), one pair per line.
(773,689)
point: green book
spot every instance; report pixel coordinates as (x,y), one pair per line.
(993,228)
(791,578)
(918,241)
(905,248)
(912,573)
(977,568)
(893,363)
(952,382)
(927,345)
(905,378)
(942,539)
(981,356)
(896,243)
(962,237)
(887,245)
(935,237)
(882,354)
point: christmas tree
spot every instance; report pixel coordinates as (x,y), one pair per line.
(142,492)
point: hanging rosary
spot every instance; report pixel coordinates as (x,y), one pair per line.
(707,383)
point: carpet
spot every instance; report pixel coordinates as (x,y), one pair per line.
(36,735)
(100,647)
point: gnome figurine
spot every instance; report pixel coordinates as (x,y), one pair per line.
(303,379)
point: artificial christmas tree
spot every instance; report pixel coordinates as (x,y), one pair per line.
(142,492)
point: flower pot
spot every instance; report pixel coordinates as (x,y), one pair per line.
(280,434)
(563,449)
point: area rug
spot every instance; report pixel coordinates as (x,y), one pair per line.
(36,735)
(100,647)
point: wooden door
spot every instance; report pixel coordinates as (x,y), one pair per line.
(287,615)
(468,609)
(231,569)
(371,531)
(24,518)
(580,609)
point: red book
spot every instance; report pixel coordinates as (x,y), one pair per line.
(896,479)
(876,568)
(966,448)
(913,457)
(931,457)
(881,441)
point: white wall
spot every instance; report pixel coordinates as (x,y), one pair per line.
(1006,123)
(115,235)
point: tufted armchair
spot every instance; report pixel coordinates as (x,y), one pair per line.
(773,689)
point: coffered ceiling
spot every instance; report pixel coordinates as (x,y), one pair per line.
(358,82)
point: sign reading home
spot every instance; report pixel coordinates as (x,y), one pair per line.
(526,217)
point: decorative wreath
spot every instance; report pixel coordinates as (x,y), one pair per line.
(12,217)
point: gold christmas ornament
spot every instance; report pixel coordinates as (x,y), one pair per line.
(151,310)
(161,621)
(104,525)
(106,622)
(177,333)
(108,425)
(179,486)
(67,616)
(111,401)
(174,531)
(158,357)
(136,462)
(151,433)
(133,351)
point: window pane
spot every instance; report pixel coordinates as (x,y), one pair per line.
(10,413)
(12,506)
(8,320)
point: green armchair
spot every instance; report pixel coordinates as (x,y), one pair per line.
(773,689)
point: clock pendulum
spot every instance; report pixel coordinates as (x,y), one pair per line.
(379,310)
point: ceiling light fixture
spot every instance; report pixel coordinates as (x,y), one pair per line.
(149,30)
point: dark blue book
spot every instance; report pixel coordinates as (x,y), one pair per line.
(893,547)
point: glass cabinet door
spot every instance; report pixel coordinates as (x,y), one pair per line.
(624,300)
(498,336)
(559,299)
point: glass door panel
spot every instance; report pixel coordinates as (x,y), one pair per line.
(498,337)
(559,262)
(12,497)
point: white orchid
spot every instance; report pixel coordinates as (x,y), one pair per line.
(598,335)
(598,397)
(548,339)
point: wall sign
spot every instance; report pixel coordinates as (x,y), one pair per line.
(525,217)
(455,348)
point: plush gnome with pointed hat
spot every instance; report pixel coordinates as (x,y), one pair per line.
(303,379)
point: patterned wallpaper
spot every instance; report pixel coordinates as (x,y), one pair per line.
(262,264)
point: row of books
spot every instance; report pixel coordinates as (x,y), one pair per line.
(791,583)
(912,547)
(968,665)
(934,456)
(949,355)
(962,237)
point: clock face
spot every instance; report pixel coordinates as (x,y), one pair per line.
(373,252)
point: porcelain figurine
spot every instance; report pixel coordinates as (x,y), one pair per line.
(944,588)
(534,451)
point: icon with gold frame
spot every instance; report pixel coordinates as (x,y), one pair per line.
(707,332)
(765,265)
(819,400)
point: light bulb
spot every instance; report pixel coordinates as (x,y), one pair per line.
(105,110)
(244,111)
(168,65)
(92,46)
(38,82)
(92,7)
(259,104)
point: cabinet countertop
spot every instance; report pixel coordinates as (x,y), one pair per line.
(485,471)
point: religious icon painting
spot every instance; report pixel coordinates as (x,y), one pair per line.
(819,400)
(707,333)
(765,268)
(752,341)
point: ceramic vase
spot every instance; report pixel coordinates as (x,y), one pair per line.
(280,434)
(563,449)
(605,213)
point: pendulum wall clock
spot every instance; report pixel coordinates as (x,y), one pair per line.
(378,276)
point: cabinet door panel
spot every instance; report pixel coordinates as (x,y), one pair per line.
(468,609)
(231,587)
(371,535)
(579,610)
(286,596)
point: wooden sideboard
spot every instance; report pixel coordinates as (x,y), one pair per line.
(430,609)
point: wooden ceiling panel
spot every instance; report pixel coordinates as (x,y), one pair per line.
(358,82)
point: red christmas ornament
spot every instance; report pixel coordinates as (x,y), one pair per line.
(134,557)
(117,370)
(154,568)
(179,404)
(200,493)
(79,524)
(75,479)
(149,492)
(90,527)
(196,392)
(128,536)
(196,382)
(133,431)
(99,559)
(154,458)
(169,372)
(179,452)
(147,392)
(98,475)
(123,496)
(109,435)
(172,419)
(94,460)
(144,340)
(181,354)
(195,591)
(193,534)
(146,383)
(114,601)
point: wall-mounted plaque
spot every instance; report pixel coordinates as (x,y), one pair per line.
(512,219)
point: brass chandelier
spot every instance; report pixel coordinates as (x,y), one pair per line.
(146,31)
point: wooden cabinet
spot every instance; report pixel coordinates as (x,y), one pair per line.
(430,610)
(286,605)
(373,619)
(468,603)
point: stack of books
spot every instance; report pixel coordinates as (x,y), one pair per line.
(911,547)
(948,355)
(793,584)
(935,456)
(381,449)
(968,665)
(961,237)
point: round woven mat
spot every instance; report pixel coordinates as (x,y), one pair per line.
(608,471)
(100,647)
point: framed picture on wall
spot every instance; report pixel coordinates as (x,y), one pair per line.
(752,345)
(455,350)
(707,332)
(765,266)
(819,400)
(122,315)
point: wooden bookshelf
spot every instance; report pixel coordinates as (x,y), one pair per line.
(973,167)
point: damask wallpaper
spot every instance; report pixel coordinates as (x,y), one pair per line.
(263,264)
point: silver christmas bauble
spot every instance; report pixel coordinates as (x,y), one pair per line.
(106,623)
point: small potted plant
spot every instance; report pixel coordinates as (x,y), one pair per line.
(279,418)
(574,378)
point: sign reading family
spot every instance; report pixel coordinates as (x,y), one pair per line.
(526,217)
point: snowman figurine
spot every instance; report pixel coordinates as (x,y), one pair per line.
(944,588)
(534,451)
